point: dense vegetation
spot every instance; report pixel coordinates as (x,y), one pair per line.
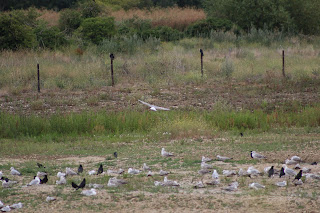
(78,17)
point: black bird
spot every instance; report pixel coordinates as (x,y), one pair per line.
(115,154)
(314,163)
(298,176)
(282,172)
(201,52)
(5,179)
(40,165)
(80,169)
(111,56)
(81,186)
(44,180)
(241,134)
(271,171)
(100,170)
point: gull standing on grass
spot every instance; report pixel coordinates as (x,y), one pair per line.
(16,206)
(288,171)
(215,174)
(114,182)
(165,153)
(163,173)
(69,171)
(62,181)
(205,159)
(90,192)
(35,181)
(257,155)
(13,171)
(256,186)
(223,158)
(232,187)
(204,165)
(133,171)
(49,199)
(281,184)
(145,167)
(153,107)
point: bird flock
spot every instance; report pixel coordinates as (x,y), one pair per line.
(205,168)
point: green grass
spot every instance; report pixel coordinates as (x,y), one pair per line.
(172,124)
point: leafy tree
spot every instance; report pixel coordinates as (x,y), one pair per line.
(69,20)
(98,28)
(49,37)
(90,9)
(14,34)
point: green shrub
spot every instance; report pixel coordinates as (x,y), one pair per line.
(164,33)
(97,29)
(69,20)
(134,26)
(90,9)
(205,27)
(49,37)
(14,34)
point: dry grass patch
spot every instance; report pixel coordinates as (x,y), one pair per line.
(175,17)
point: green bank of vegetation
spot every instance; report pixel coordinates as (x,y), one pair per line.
(172,124)
(82,23)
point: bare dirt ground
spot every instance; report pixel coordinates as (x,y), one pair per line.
(240,95)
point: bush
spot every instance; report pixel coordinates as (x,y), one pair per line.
(49,37)
(164,33)
(204,27)
(69,20)
(14,34)
(90,9)
(97,29)
(134,26)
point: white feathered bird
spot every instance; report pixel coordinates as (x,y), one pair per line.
(165,153)
(13,171)
(153,107)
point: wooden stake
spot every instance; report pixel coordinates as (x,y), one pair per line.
(283,73)
(112,79)
(201,52)
(38,77)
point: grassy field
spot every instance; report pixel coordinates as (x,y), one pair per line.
(80,118)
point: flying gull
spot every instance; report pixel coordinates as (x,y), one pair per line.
(153,107)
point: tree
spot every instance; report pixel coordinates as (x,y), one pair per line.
(98,28)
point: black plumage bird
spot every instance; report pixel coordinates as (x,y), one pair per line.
(44,180)
(298,176)
(111,56)
(115,154)
(201,52)
(40,165)
(314,163)
(282,172)
(100,170)
(81,186)
(271,172)
(5,179)
(80,169)
(241,134)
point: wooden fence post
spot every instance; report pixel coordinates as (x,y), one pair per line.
(38,77)
(112,79)
(283,73)
(201,52)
